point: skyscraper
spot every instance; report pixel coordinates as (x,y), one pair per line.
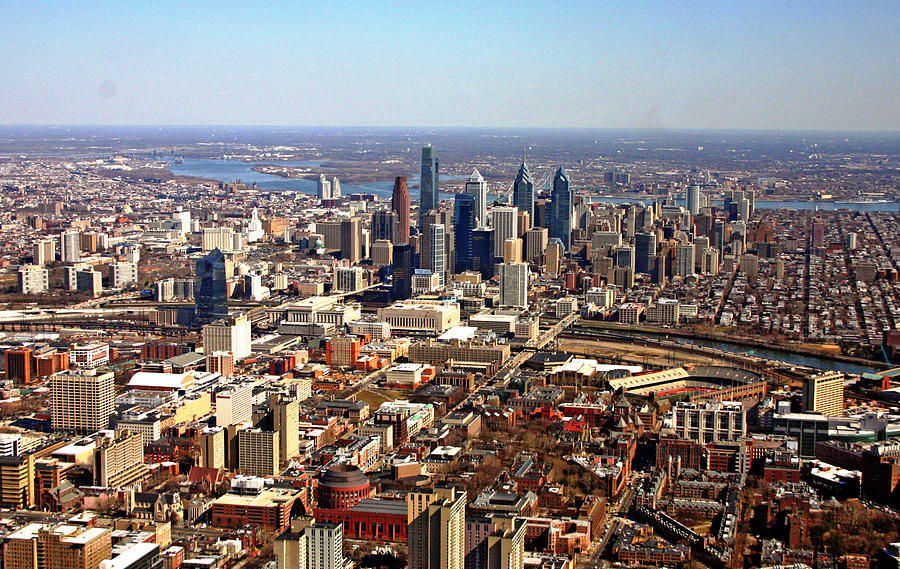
(70,247)
(645,251)
(464,220)
(436,530)
(523,190)
(824,393)
(428,182)
(483,251)
(561,209)
(514,284)
(81,401)
(402,271)
(400,205)
(476,186)
(692,199)
(211,287)
(350,243)
(505,221)
(684,260)
(385,225)
(434,251)
(323,188)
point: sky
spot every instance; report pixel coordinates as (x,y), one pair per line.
(701,65)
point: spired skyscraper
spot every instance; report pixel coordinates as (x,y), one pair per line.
(428,182)
(561,209)
(211,287)
(476,186)
(523,191)
(464,224)
(400,204)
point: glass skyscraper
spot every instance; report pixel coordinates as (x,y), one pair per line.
(561,209)
(523,191)
(464,225)
(428,182)
(402,271)
(210,287)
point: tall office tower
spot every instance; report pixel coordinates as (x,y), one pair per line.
(348,279)
(623,256)
(850,239)
(512,250)
(33,279)
(70,247)
(228,335)
(561,209)
(684,260)
(692,199)
(514,285)
(382,253)
(524,223)
(436,520)
(286,421)
(400,205)
(553,256)
(824,393)
(464,225)
(434,250)
(523,190)
(81,401)
(644,252)
(402,271)
(325,546)
(122,274)
(43,252)
(496,541)
(711,261)
(428,182)
(505,223)
(476,186)
(350,245)
(541,214)
(535,242)
(323,190)
(744,210)
(483,252)
(335,188)
(718,234)
(385,225)
(259,452)
(211,287)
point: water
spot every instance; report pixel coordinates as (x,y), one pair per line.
(765,204)
(765,353)
(230,170)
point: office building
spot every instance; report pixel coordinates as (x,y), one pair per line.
(553,256)
(523,191)
(824,393)
(222,238)
(623,257)
(119,460)
(684,260)
(81,401)
(402,272)
(512,250)
(19,368)
(400,206)
(709,421)
(62,546)
(89,281)
(348,279)
(464,215)
(123,274)
(505,221)
(514,285)
(382,253)
(561,209)
(692,199)
(434,252)
(230,334)
(351,246)
(234,405)
(536,240)
(436,528)
(412,316)
(70,247)
(92,355)
(286,421)
(211,287)
(43,252)
(483,251)
(259,452)
(212,447)
(645,252)
(476,186)
(428,182)
(495,542)
(33,279)
(385,225)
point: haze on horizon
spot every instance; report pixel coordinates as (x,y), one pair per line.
(700,65)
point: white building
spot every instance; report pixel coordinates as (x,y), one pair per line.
(505,221)
(32,279)
(221,238)
(70,247)
(90,355)
(325,543)
(254,228)
(234,405)
(424,280)
(228,335)
(348,279)
(664,311)
(602,297)
(435,317)
(709,421)
(514,285)
(476,186)
(43,252)
(566,305)
(122,274)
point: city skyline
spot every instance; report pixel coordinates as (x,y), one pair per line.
(656,66)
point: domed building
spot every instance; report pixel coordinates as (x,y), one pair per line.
(342,487)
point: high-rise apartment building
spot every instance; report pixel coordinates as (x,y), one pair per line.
(692,199)
(824,393)
(63,546)
(89,281)
(434,250)
(325,546)
(348,279)
(81,401)
(70,247)
(428,182)
(232,334)
(259,452)
(286,421)
(436,528)
(400,206)
(684,260)
(43,252)
(123,274)
(709,421)
(514,285)
(495,542)
(476,186)
(33,279)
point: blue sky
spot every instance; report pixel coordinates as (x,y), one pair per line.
(726,64)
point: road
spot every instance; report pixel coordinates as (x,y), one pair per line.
(623,504)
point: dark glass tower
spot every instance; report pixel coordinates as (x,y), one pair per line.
(210,287)
(400,204)
(483,251)
(385,224)
(428,182)
(561,209)
(402,271)
(464,224)
(523,191)
(645,252)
